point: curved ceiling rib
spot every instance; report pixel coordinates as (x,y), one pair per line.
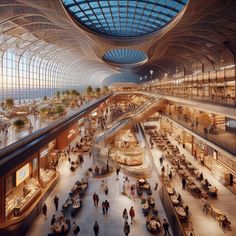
(204,34)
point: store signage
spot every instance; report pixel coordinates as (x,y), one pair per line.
(94,114)
(71,132)
(22,174)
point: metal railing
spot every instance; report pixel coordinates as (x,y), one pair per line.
(30,138)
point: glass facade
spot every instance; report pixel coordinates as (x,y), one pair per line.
(125,56)
(124,18)
(30,76)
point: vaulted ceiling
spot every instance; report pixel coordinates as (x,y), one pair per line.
(202,34)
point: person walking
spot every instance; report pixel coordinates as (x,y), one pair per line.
(205,204)
(166,227)
(124,187)
(96,228)
(45,210)
(107,205)
(132,190)
(117,173)
(75,228)
(103,208)
(156,186)
(183,183)
(170,175)
(106,189)
(132,214)
(56,201)
(125,215)
(126,229)
(161,160)
(53,220)
(95,199)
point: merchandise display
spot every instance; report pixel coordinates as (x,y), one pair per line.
(46,176)
(18,204)
(126,149)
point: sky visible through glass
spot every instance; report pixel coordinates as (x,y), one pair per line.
(124,18)
(125,56)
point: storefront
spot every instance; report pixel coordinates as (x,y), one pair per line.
(24,184)
(221,166)
(22,188)
(166,124)
(66,137)
(224,170)
(204,153)
(177,132)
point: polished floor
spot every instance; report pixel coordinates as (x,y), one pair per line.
(111,224)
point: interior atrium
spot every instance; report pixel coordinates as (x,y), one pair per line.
(117,117)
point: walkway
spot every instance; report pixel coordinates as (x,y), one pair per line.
(110,225)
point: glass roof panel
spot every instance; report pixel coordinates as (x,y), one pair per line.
(125,56)
(124,18)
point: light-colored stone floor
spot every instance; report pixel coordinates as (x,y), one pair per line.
(226,201)
(111,224)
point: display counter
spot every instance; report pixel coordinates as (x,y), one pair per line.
(17,204)
(46,176)
(26,202)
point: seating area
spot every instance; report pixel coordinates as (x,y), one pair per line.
(184,168)
(61,226)
(142,185)
(153,224)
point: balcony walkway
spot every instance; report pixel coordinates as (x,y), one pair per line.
(203,224)
(223,139)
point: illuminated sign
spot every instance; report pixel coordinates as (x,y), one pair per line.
(71,132)
(22,174)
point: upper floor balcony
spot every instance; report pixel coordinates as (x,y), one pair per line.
(216,87)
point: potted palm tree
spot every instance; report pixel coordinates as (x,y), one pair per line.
(19,123)
(58,94)
(106,89)
(9,103)
(89,91)
(98,91)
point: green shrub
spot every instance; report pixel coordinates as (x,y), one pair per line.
(19,123)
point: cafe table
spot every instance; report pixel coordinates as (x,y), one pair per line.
(192,186)
(57,227)
(180,211)
(141,181)
(174,200)
(170,190)
(217,211)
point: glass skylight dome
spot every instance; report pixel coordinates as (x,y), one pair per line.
(124,18)
(125,56)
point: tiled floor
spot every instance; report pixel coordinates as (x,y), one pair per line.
(203,224)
